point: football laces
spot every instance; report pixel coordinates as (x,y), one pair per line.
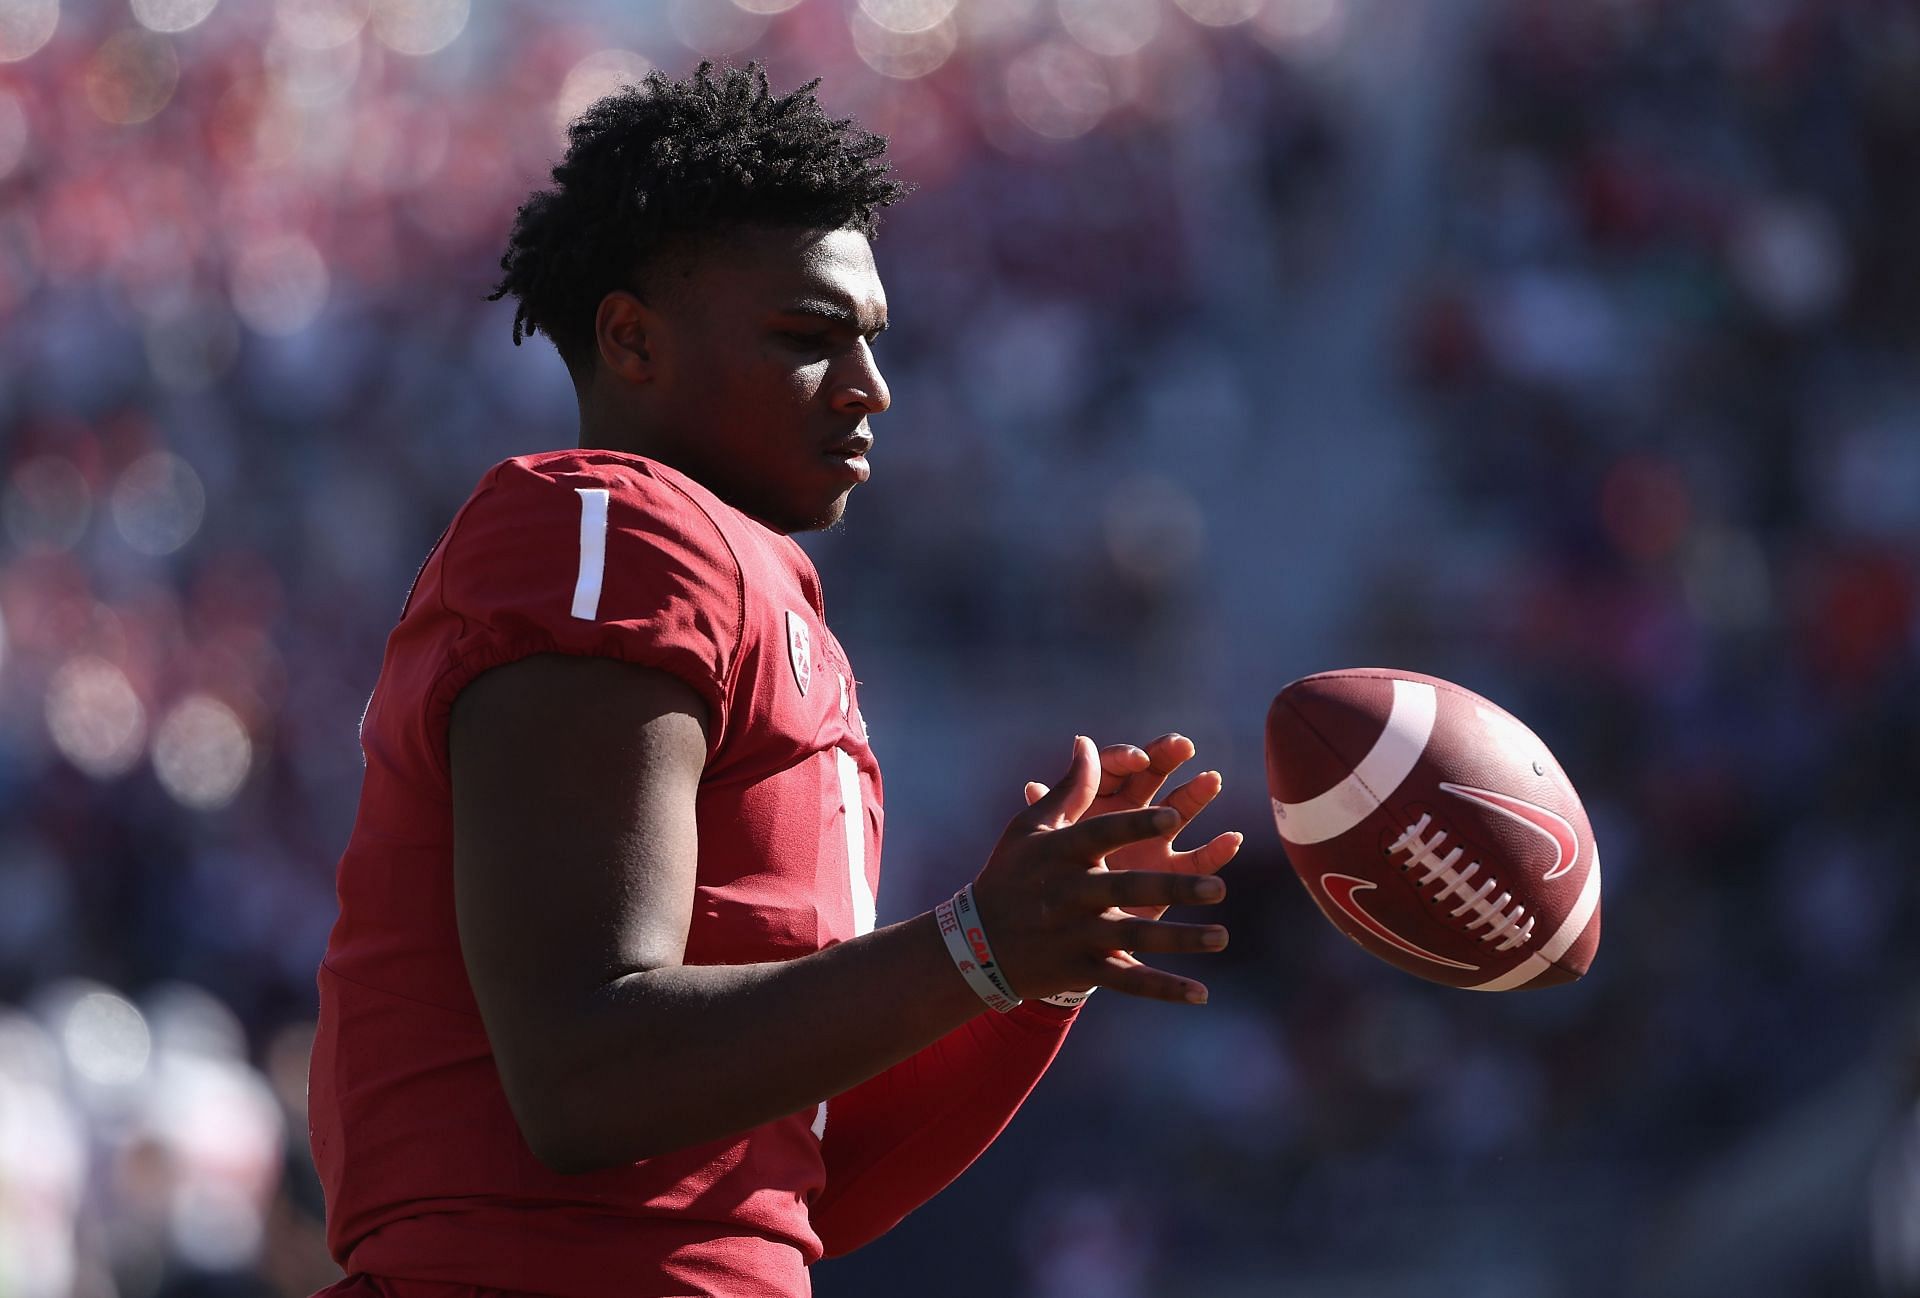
(1506,924)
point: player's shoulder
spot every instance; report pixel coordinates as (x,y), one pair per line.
(550,495)
(643,496)
(623,509)
(631,482)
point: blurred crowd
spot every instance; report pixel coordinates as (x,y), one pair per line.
(1632,447)
(1669,342)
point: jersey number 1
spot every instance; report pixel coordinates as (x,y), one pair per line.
(853,815)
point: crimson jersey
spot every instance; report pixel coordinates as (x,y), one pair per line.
(426,1174)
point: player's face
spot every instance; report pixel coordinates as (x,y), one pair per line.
(766,375)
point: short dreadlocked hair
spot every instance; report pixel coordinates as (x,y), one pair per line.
(652,164)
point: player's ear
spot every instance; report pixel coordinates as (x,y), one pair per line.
(624,330)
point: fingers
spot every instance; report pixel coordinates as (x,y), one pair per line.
(1128,976)
(1165,937)
(1150,888)
(1062,919)
(1117,762)
(1135,776)
(1096,836)
(1191,798)
(1069,800)
(1165,755)
(1212,856)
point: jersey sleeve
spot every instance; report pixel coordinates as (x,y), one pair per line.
(901,1137)
(603,560)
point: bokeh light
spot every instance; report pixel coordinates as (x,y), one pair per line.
(106,1039)
(907,15)
(188,1020)
(43,1148)
(903,55)
(254,128)
(1154,528)
(1220,13)
(280,283)
(419,27)
(1175,79)
(594,78)
(989,23)
(46,504)
(132,76)
(1057,90)
(25,26)
(15,133)
(393,160)
(171,15)
(158,503)
(94,717)
(1790,256)
(309,76)
(222,1132)
(321,24)
(714,29)
(765,6)
(28,1053)
(201,752)
(1111,27)
(1301,25)
(217,1228)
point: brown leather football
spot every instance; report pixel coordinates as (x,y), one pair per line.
(1434,829)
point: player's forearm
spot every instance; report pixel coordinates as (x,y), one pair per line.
(671,1057)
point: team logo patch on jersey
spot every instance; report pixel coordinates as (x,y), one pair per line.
(799,650)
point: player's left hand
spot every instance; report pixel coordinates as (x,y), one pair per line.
(1131,778)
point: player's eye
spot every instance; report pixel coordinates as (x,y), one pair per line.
(806,340)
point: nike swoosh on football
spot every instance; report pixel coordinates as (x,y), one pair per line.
(1549,825)
(1340,889)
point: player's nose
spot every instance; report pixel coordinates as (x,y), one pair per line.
(860,388)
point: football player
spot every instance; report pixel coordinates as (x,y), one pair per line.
(605,1011)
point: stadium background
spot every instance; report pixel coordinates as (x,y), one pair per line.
(1570,351)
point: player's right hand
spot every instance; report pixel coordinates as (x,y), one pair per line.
(1053,912)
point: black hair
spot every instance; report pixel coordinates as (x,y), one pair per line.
(653,164)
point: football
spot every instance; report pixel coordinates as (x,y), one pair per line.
(1434,829)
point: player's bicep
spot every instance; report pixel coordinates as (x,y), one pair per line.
(574,785)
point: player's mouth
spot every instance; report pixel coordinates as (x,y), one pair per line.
(850,455)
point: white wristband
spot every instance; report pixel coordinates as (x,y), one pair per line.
(967,944)
(1068,1000)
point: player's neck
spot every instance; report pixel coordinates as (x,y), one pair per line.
(607,426)
(622,431)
